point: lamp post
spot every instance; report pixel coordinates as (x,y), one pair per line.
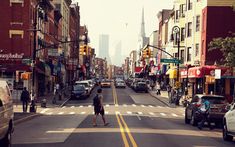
(176,31)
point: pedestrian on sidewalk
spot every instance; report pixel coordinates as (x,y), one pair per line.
(25,98)
(158,87)
(98,107)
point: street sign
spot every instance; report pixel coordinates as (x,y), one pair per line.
(171,61)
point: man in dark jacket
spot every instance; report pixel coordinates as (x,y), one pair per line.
(25,99)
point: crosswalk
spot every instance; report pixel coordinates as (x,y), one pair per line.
(125,109)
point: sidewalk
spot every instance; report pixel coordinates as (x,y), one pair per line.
(19,116)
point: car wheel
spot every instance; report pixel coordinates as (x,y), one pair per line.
(226,137)
(187,121)
(193,120)
(6,141)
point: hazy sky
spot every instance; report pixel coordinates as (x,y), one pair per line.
(121,19)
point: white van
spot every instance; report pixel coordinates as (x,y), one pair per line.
(6,114)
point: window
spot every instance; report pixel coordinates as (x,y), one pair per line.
(182,10)
(189,55)
(182,34)
(177,15)
(182,55)
(190,5)
(197,49)
(197,23)
(189,29)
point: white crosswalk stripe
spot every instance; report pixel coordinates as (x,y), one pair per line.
(72,113)
(107,105)
(163,114)
(116,105)
(142,105)
(106,112)
(89,105)
(72,107)
(140,113)
(150,106)
(60,113)
(81,106)
(124,105)
(173,114)
(133,105)
(84,112)
(151,113)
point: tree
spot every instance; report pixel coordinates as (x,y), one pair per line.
(227,47)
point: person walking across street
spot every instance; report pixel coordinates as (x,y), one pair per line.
(204,112)
(25,98)
(98,107)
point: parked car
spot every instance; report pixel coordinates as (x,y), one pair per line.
(216,112)
(105,83)
(140,86)
(6,114)
(120,83)
(79,92)
(229,124)
(86,84)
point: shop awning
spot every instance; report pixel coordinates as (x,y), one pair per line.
(172,72)
(202,71)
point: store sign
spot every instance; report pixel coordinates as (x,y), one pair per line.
(11,56)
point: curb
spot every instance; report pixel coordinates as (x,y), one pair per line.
(159,99)
(64,102)
(18,121)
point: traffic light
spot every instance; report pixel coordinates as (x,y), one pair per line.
(144,54)
(83,50)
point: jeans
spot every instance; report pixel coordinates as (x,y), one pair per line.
(205,118)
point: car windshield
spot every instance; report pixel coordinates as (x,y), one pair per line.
(78,88)
(84,84)
(214,100)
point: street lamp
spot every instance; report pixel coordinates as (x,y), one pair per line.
(176,32)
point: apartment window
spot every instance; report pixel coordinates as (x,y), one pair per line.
(182,34)
(189,29)
(190,5)
(177,15)
(182,10)
(197,49)
(182,55)
(189,54)
(197,23)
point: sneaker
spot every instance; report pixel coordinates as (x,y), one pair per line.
(106,124)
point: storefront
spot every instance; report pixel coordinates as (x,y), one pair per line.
(202,80)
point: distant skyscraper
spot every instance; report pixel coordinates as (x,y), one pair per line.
(104,47)
(117,58)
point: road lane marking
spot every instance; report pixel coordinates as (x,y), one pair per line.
(81,106)
(140,113)
(72,107)
(115,100)
(43,111)
(72,113)
(129,112)
(163,114)
(64,107)
(128,131)
(107,105)
(150,106)
(142,105)
(133,105)
(89,105)
(60,113)
(151,113)
(116,105)
(117,112)
(49,113)
(106,112)
(83,112)
(173,114)
(122,132)
(124,105)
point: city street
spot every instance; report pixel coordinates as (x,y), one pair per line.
(136,119)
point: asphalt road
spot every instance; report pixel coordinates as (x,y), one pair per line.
(136,119)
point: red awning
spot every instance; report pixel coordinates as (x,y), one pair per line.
(138,69)
(201,71)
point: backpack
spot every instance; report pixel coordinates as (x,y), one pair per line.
(96,101)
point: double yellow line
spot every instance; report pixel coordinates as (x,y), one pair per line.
(122,124)
(125,130)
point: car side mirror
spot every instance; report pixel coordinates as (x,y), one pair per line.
(1,104)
